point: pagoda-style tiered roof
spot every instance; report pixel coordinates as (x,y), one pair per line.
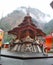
(27,28)
(26,33)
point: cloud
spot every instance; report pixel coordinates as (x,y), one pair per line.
(7,6)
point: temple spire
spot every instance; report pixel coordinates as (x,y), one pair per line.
(28,11)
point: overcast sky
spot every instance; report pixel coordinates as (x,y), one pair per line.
(7,6)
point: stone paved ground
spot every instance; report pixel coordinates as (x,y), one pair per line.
(9,61)
(6,52)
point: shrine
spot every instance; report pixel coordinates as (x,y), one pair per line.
(27,34)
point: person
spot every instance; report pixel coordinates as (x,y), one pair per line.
(11,44)
(45,49)
(41,45)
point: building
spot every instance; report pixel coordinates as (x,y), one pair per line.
(27,34)
(1,37)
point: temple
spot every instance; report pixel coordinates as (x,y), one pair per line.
(27,34)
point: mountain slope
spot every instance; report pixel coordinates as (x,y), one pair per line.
(15,18)
(11,20)
(48,28)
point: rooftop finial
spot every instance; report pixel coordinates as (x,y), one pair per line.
(28,11)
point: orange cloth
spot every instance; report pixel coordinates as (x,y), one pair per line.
(48,42)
